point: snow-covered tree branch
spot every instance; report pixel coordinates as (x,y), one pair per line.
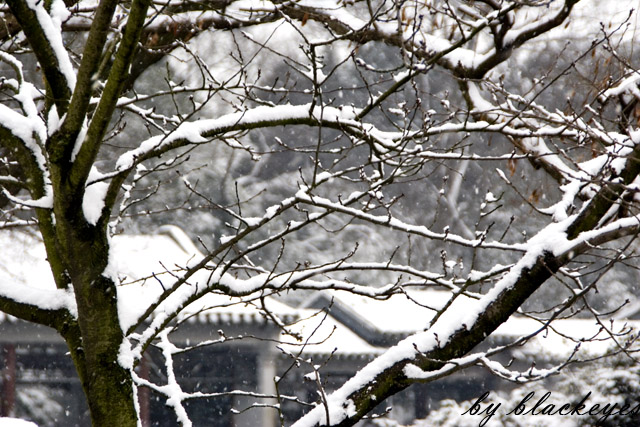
(363,147)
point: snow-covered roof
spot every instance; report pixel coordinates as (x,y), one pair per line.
(398,314)
(146,264)
(403,314)
(324,335)
(27,264)
(25,271)
(16,422)
(357,325)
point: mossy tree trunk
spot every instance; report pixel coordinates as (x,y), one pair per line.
(58,169)
(107,384)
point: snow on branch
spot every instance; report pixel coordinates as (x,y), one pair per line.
(43,29)
(397,224)
(51,24)
(49,300)
(204,130)
(439,339)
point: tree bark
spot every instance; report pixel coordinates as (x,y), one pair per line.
(107,385)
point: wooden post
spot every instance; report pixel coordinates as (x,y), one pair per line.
(8,397)
(266,381)
(144,394)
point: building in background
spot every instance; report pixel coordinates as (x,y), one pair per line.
(332,336)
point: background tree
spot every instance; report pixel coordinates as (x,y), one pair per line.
(420,136)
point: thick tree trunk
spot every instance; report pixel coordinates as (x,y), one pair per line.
(107,385)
